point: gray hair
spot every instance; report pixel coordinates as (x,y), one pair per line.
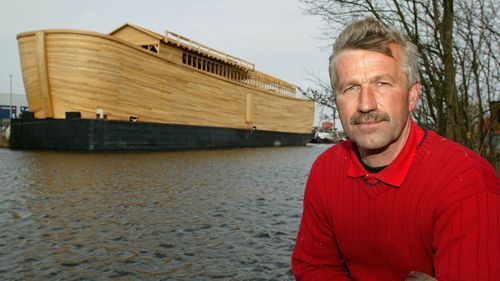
(371,34)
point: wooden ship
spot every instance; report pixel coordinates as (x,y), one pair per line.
(134,89)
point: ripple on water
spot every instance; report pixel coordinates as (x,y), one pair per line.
(198,215)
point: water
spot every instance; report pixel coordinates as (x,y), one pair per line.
(196,215)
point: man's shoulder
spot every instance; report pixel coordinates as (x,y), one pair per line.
(447,150)
(451,161)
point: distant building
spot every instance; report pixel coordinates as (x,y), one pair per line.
(19,104)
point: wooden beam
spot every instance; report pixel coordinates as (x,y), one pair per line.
(43,76)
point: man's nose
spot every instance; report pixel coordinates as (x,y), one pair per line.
(367,99)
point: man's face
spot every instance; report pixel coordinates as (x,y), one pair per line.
(372,97)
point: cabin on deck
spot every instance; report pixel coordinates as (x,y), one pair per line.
(182,50)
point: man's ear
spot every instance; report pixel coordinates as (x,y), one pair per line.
(413,96)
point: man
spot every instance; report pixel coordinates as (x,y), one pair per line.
(396,202)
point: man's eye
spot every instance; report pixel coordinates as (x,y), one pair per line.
(383,83)
(350,89)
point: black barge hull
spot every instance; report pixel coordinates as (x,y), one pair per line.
(110,135)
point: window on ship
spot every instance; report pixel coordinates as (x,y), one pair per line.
(152,47)
(214,67)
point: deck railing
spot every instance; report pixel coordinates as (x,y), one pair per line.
(244,73)
(270,83)
(189,44)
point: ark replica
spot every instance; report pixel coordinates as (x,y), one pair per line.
(138,90)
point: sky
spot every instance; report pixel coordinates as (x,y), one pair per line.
(275,35)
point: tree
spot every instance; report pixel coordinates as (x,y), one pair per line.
(322,95)
(460,69)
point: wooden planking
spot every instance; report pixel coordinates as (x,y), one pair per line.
(291,115)
(89,71)
(82,77)
(170,53)
(250,108)
(135,36)
(29,68)
(43,77)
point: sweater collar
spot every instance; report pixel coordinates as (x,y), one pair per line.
(394,173)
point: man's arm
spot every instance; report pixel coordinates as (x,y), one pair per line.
(467,229)
(315,256)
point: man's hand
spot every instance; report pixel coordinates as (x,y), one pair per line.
(419,276)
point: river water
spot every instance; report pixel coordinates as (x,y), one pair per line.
(195,215)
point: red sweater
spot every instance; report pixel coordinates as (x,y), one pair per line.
(434,209)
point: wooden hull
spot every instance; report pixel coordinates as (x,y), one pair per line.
(104,76)
(81,71)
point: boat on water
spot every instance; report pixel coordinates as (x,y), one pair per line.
(134,89)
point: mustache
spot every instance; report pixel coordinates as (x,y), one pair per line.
(372,116)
